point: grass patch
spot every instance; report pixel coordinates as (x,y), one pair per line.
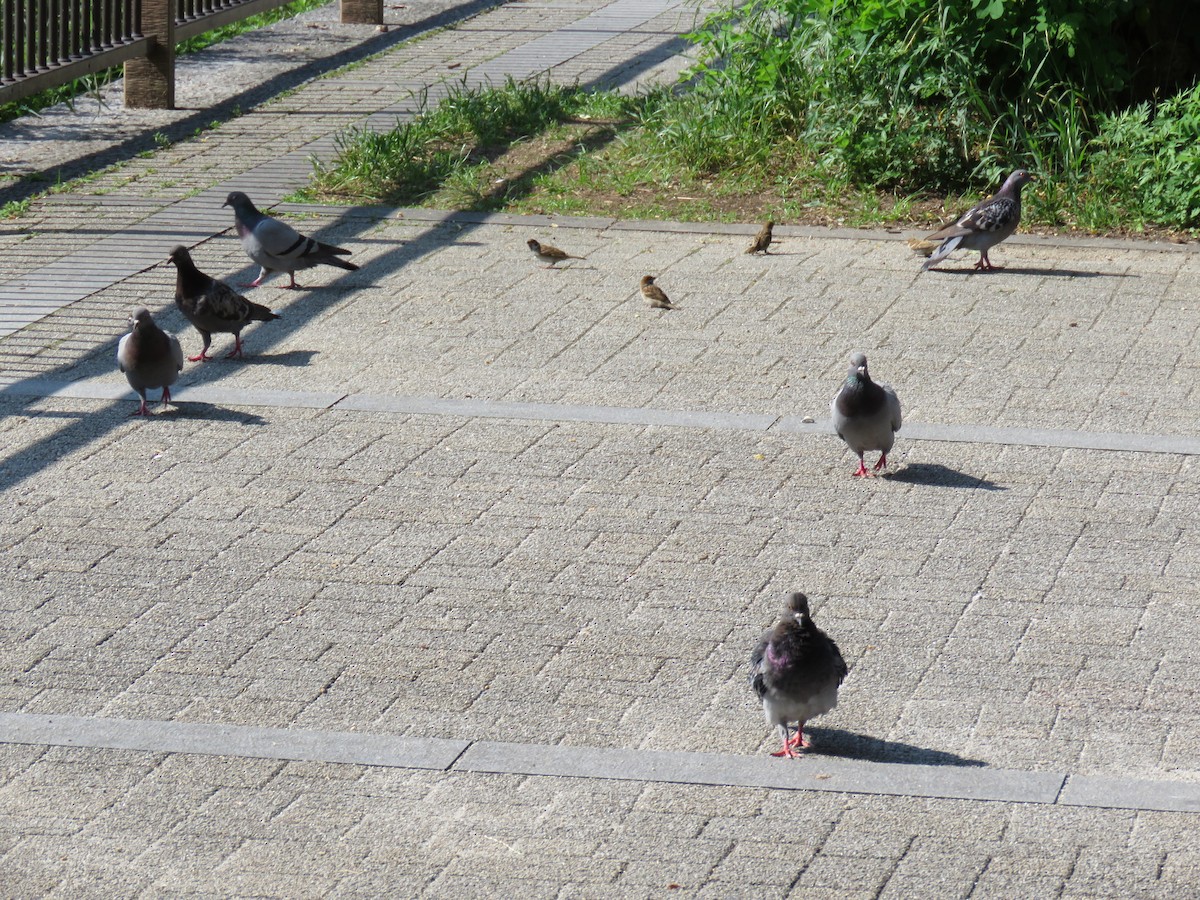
(479,148)
(538,148)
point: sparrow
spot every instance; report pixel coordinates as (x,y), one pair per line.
(654,294)
(548,253)
(762,240)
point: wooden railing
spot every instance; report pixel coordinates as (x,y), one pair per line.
(47,43)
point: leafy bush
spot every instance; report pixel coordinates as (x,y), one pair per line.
(1151,158)
(923,94)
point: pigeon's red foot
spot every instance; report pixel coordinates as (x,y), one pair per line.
(142,410)
(236,352)
(798,740)
(788,751)
(882,462)
(202,356)
(166,397)
(861,471)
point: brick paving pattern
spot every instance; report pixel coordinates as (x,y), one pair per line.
(319,546)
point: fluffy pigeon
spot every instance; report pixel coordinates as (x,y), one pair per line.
(548,253)
(213,305)
(984,225)
(655,296)
(762,240)
(278,247)
(796,670)
(149,357)
(866,415)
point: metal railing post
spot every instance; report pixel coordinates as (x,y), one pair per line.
(150,82)
(362,12)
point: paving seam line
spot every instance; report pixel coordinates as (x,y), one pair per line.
(110,389)
(826,774)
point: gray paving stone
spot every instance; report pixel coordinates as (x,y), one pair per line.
(574,548)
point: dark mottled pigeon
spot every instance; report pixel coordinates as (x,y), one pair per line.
(277,246)
(212,305)
(866,415)
(796,670)
(149,357)
(981,227)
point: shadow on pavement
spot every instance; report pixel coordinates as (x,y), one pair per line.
(290,358)
(18,464)
(1015,270)
(850,745)
(33,183)
(937,475)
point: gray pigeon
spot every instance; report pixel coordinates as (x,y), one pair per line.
(866,415)
(796,670)
(278,247)
(149,357)
(984,225)
(213,305)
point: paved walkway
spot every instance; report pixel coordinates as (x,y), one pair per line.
(449,587)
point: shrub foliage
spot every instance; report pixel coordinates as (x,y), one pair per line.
(920,95)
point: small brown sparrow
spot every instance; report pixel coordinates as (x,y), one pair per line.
(654,294)
(548,253)
(762,240)
(923,246)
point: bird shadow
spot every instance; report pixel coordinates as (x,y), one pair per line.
(292,358)
(851,745)
(196,409)
(937,475)
(1019,270)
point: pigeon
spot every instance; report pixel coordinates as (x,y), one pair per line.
(277,246)
(213,305)
(548,253)
(654,294)
(984,225)
(762,240)
(866,415)
(149,357)
(796,670)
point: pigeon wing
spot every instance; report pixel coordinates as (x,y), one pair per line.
(893,404)
(124,348)
(280,239)
(176,352)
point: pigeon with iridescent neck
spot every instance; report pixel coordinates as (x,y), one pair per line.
(796,670)
(865,415)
